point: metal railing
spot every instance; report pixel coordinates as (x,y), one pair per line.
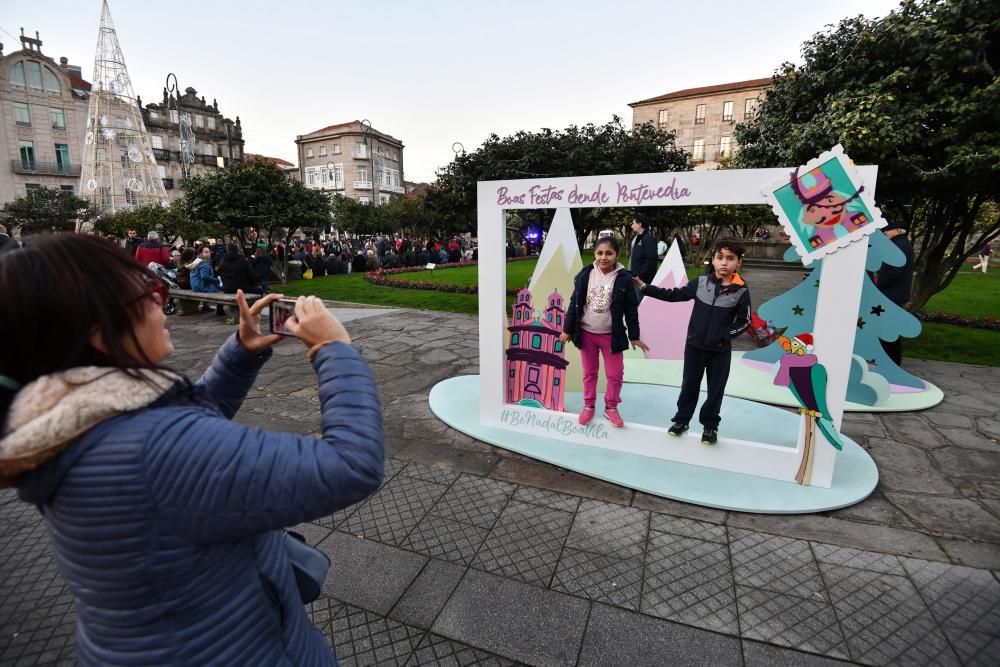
(362,185)
(48,168)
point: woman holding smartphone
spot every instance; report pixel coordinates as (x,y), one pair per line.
(164,514)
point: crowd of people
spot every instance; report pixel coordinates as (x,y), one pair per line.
(212,266)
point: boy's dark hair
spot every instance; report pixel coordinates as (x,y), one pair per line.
(608,240)
(732,245)
(641,218)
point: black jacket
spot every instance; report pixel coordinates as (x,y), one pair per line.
(237,273)
(262,268)
(896,282)
(642,261)
(721,312)
(624,310)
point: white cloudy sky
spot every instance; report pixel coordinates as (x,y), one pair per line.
(433,72)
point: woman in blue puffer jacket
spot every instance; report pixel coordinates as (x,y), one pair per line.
(165,514)
(203,278)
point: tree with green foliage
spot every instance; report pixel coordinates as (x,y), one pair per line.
(47,210)
(256,196)
(360,219)
(612,148)
(172,222)
(915,92)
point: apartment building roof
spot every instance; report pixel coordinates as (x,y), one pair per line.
(341,128)
(706,90)
(267,158)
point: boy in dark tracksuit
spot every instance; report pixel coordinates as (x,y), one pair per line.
(721,312)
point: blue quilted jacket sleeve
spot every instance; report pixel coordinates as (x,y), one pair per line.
(230,376)
(213,479)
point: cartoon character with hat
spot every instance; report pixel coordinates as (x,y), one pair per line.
(834,214)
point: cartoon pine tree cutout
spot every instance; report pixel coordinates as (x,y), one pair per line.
(878,318)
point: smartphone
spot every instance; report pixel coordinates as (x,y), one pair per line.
(280,312)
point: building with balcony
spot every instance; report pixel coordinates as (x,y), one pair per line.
(218,141)
(346,160)
(43,118)
(703,118)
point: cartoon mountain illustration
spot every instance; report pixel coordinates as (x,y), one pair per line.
(557,265)
(663,324)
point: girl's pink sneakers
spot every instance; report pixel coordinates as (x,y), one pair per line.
(611,414)
(586,414)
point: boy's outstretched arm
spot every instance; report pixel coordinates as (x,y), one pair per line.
(684,293)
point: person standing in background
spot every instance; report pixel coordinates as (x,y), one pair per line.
(984,257)
(896,282)
(642,256)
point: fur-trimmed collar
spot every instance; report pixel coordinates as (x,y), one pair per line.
(53,410)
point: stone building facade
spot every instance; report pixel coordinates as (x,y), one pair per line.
(218,141)
(43,118)
(703,118)
(343,159)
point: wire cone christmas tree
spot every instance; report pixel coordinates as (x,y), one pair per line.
(119,168)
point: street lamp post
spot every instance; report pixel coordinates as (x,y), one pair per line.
(187,139)
(332,174)
(366,128)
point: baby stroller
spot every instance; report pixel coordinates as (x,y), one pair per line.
(169,278)
(761,331)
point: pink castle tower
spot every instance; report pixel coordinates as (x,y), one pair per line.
(536,362)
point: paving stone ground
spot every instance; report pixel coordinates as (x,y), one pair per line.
(471,555)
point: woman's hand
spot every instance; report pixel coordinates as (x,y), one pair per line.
(564,337)
(314,325)
(638,344)
(638,282)
(250,336)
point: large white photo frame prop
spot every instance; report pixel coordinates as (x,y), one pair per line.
(690,188)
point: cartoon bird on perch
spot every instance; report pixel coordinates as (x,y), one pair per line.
(800,371)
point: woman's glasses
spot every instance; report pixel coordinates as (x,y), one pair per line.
(155,290)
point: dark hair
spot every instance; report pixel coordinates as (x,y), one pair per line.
(188,255)
(62,300)
(732,245)
(641,218)
(608,240)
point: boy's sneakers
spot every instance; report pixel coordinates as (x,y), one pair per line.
(611,414)
(709,436)
(586,414)
(677,429)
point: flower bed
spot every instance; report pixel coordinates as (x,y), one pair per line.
(991,323)
(384,278)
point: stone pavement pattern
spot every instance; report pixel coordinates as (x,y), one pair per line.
(470,554)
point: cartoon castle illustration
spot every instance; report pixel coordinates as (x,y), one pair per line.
(536,362)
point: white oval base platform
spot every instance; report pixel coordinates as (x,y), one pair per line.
(456,402)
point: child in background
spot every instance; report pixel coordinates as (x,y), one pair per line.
(721,312)
(602,305)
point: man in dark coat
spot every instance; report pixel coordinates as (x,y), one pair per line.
(896,282)
(642,257)
(132,242)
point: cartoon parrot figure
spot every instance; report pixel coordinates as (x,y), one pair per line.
(800,371)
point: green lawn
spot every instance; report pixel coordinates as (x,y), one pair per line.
(971,294)
(354,289)
(947,342)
